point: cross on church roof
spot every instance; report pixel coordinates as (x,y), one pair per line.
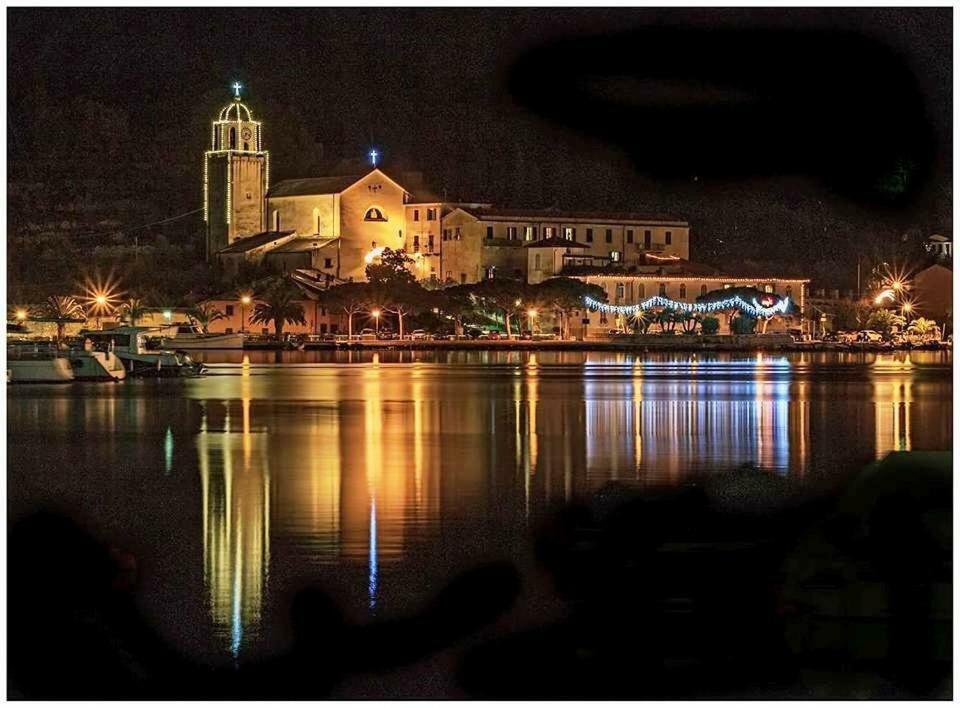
(373,157)
(236,89)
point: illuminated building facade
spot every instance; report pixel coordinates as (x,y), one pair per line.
(235,178)
(682,282)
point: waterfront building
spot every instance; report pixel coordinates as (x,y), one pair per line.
(326,229)
(682,282)
(932,293)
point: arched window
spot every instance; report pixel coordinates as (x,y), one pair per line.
(233,138)
(703,290)
(683,291)
(374,214)
(276,219)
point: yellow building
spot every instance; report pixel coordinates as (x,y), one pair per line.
(483,242)
(682,282)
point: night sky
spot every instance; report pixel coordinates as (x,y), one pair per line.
(793,140)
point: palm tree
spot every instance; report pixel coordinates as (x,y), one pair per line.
(922,327)
(133,309)
(279,304)
(62,309)
(204,314)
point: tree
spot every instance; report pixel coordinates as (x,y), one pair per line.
(847,315)
(279,304)
(393,269)
(564,295)
(883,320)
(688,321)
(349,298)
(132,310)
(459,302)
(501,295)
(709,325)
(922,327)
(204,314)
(667,320)
(743,324)
(62,309)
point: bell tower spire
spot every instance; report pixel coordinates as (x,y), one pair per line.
(236,176)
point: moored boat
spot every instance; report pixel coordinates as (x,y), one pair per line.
(191,337)
(129,344)
(41,362)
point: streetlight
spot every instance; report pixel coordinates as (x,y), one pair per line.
(376,319)
(244,301)
(21,315)
(907,309)
(531,315)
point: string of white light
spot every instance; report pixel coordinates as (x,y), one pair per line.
(754,309)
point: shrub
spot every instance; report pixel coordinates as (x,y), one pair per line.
(709,325)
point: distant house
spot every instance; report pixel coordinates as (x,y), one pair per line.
(933,292)
(940,246)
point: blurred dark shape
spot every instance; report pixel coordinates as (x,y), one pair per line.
(741,587)
(75,632)
(737,103)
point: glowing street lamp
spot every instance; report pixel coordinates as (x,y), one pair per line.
(20,314)
(244,301)
(376,320)
(531,316)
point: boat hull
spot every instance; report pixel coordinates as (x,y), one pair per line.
(213,341)
(57,370)
(96,366)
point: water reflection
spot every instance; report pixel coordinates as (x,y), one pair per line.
(235,492)
(376,469)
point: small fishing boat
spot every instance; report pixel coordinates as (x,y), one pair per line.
(188,336)
(129,344)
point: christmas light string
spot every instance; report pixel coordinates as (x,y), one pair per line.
(754,309)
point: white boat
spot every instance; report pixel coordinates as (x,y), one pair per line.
(37,363)
(91,365)
(189,336)
(129,344)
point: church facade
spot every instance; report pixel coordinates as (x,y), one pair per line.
(331,227)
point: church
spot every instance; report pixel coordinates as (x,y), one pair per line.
(329,228)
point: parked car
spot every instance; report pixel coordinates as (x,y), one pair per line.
(869,335)
(418,334)
(367,334)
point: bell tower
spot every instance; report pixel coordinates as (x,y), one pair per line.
(236,175)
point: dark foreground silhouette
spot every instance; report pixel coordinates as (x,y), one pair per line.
(736,587)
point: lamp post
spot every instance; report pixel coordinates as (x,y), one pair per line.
(907,309)
(376,320)
(531,316)
(21,315)
(244,301)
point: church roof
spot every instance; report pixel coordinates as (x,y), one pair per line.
(248,243)
(305,243)
(555,242)
(555,215)
(313,185)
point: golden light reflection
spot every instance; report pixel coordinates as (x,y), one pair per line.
(893,399)
(236,522)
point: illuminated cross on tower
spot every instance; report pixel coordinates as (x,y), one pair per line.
(236,89)
(373,157)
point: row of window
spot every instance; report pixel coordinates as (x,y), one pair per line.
(662,291)
(570,233)
(431,215)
